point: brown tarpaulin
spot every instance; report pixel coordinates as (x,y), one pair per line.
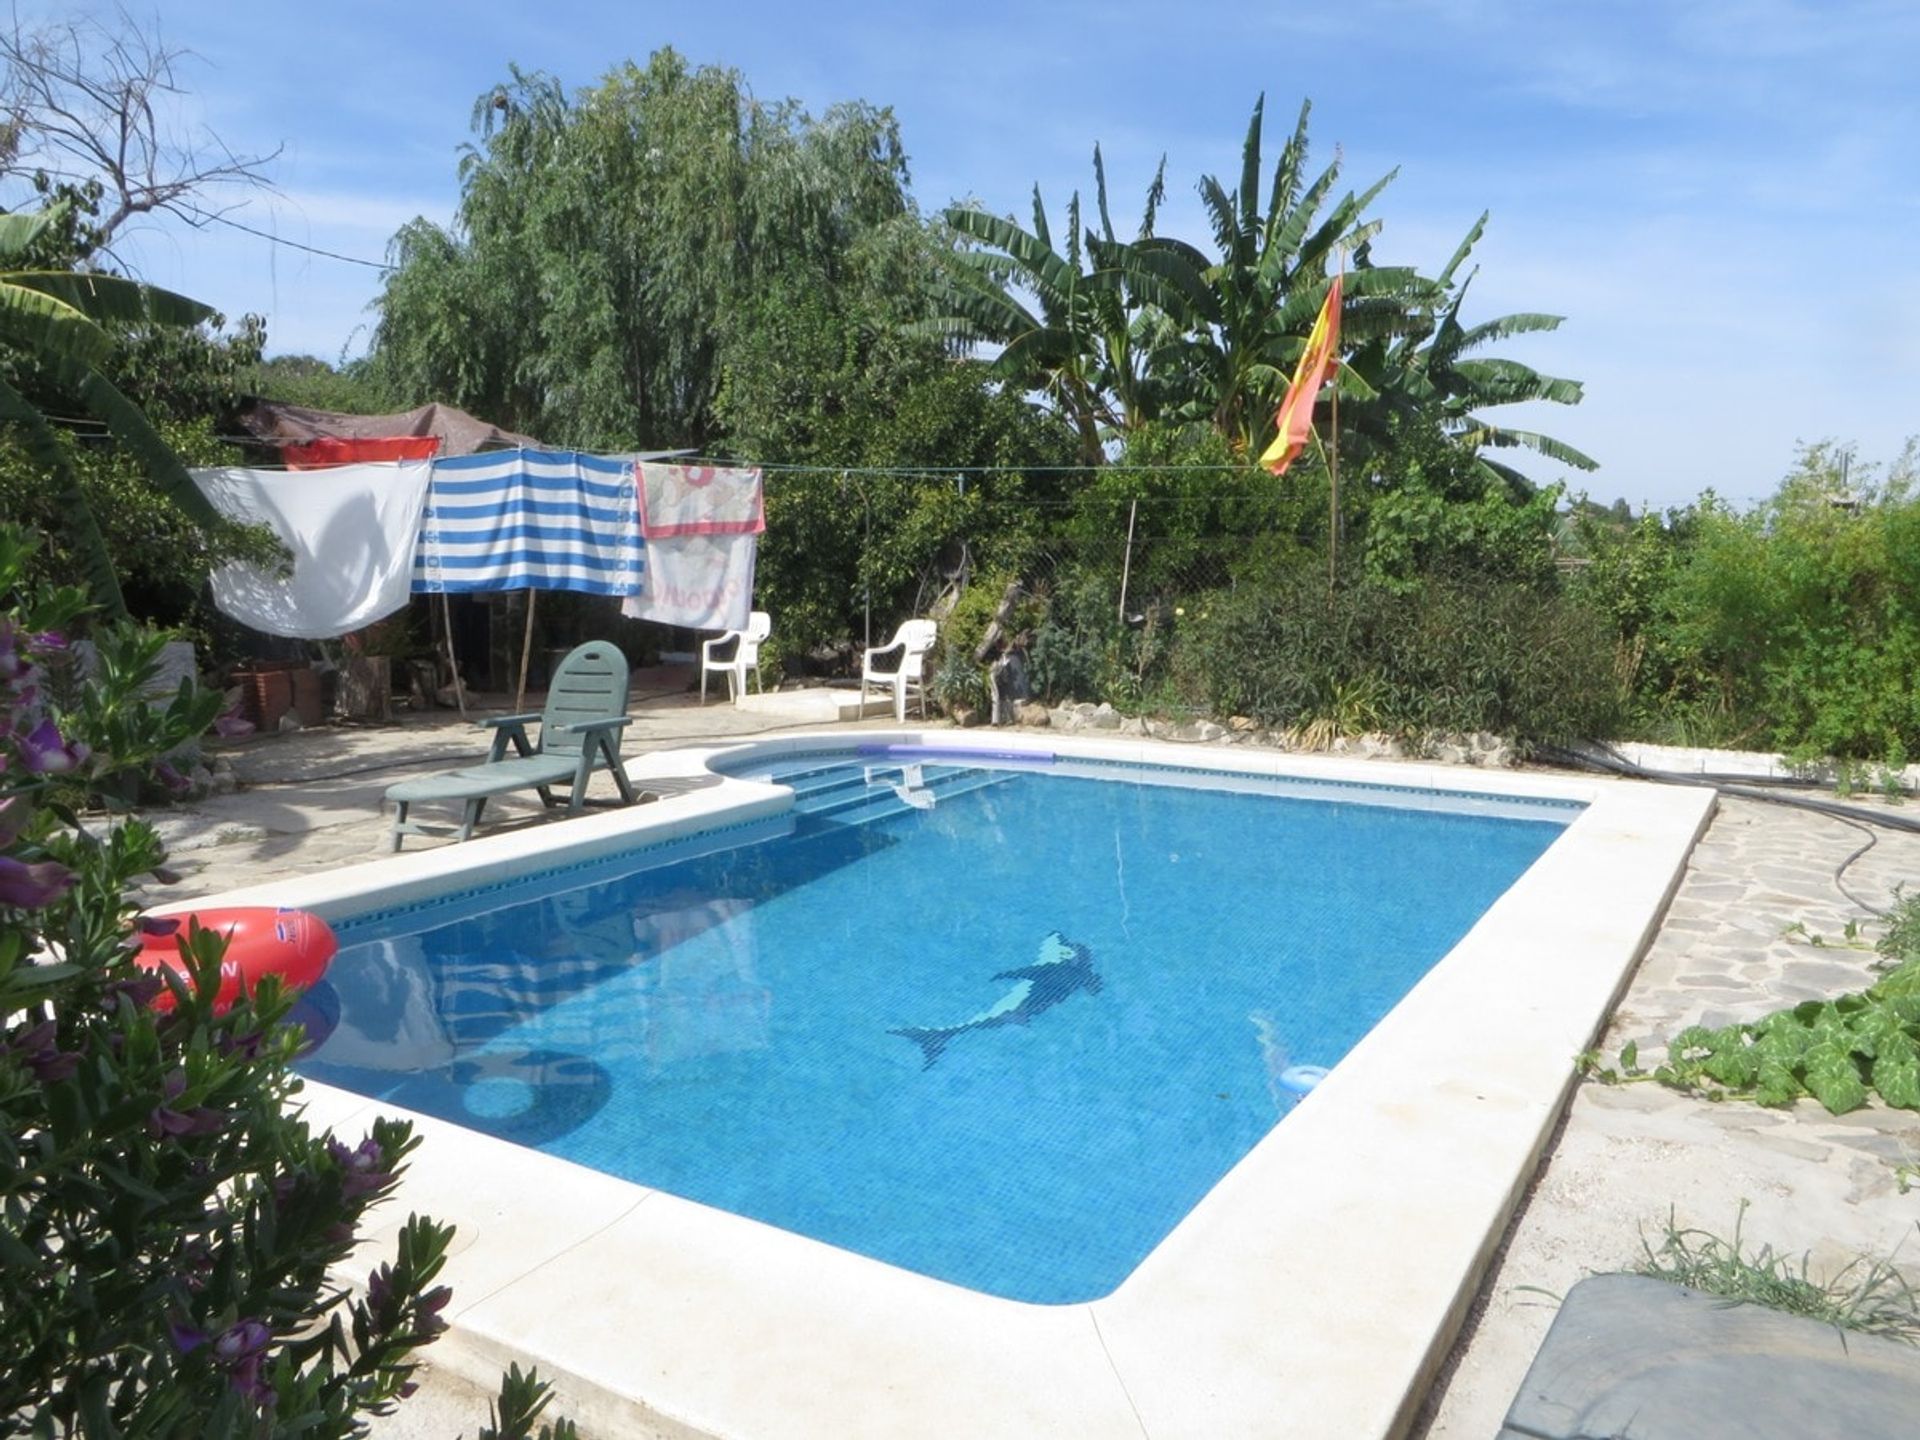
(458,432)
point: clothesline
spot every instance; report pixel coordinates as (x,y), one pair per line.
(675,543)
(939,473)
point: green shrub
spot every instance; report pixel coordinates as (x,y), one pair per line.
(1794,625)
(1460,654)
(168,1224)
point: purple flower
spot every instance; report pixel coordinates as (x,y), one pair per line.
(240,1351)
(232,724)
(196,1263)
(362,1169)
(248,1045)
(51,640)
(39,1051)
(45,752)
(13,664)
(164,1120)
(380,1289)
(186,1338)
(32,886)
(171,778)
(139,989)
(431,1304)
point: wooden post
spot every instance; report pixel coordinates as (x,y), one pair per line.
(453,663)
(526,650)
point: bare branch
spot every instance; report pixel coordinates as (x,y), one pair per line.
(84,102)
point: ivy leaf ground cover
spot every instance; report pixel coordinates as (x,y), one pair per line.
(1840,1052)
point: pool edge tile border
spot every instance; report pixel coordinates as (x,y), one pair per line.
(1258,1314)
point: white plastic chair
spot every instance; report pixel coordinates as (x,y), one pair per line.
(746,652)
(913,640)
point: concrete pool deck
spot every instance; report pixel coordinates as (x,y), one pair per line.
(1584,1211)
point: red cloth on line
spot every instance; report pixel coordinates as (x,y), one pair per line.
(312,454)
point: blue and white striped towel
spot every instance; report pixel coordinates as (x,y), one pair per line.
(530,519)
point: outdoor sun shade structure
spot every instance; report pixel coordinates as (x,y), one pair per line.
(1308,1293)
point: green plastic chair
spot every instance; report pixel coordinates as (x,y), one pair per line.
(579,733)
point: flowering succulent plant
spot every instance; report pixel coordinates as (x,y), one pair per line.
(170,1228)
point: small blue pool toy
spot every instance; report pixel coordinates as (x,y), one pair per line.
(1300,1079)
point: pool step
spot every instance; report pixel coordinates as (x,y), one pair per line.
(854,792)
(887,797)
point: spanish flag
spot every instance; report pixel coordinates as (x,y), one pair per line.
(1316,364)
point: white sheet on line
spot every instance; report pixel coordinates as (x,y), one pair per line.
(351,530)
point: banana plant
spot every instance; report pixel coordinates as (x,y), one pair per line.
(1083,337)
(54,328)
(1244,317)
(1430,372)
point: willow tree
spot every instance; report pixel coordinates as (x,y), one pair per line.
(608,242)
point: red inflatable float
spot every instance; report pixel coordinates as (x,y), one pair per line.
(261,940)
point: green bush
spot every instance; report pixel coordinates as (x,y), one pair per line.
(1794,625)
(1450,653)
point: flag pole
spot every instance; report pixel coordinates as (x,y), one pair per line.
(1333,486)
(1333,459)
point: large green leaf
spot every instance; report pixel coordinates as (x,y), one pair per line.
(48,327)
(1503,436)
(1506,327)
(18,232)
(1460,255)
(111,298)
(1053,278)
(1508,382)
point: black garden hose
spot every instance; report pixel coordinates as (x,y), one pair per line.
(1610,761)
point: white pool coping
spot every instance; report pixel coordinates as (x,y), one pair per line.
(1311,1293)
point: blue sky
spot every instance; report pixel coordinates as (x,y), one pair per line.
(1721,196)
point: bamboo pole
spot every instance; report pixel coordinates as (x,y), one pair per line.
(526,651)
(1126,564)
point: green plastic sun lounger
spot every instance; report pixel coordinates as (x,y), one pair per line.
(579,733)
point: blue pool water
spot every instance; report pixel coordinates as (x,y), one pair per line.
(1004,1027)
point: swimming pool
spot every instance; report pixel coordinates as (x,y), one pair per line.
(1309,1293)
(1002,1023)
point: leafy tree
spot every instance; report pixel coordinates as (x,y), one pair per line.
(1161,330)
(1426,506)
(350,388)
(828,378)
